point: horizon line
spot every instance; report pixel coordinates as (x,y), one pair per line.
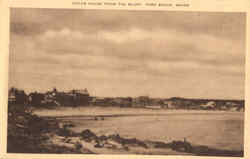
(180,97)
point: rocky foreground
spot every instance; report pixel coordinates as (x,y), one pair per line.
(28,133)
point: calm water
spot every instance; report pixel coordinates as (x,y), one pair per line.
(222,131)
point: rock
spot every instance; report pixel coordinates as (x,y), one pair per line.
(115,144)
(68,125)
(181,146)
(88,135)
(124,141)
(103,138)
(99,145)
(158,144)
(66,132)
(126,148)
(78,145)
(68,140)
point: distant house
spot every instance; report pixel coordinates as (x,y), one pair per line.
(168,104)
(36,99)
(12,97)
(122,101)
(241,109)
(141,101)
(71,98)
(209,105)
(17,96)
(99,101)
(153,107)
(177,103)
(50,98)
(80,97)
(232,104)
(83,92)
(234,109)
(156,101)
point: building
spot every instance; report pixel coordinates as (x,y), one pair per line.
(141,101)
(122,101)
(16,96)
(209,105)
(79,97)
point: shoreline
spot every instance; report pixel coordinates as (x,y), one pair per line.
(61,136)
(92,111)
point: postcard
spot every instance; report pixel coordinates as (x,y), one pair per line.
(120,79)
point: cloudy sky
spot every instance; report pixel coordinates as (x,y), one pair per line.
(129,53)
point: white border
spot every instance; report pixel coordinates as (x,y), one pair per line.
(195,5)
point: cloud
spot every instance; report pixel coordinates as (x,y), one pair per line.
(191,54)
(65,32)
(213,23)
(138,44)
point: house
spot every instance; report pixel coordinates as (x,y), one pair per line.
(168,104)
(141,101)
(12,97)
(209,105)
(99,101)
(122,101)
(153,107)
(17,96)
(80,97)
(71,98)
(36,99)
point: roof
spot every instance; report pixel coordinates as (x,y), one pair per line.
(81,91)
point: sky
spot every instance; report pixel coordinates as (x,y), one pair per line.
(129,53)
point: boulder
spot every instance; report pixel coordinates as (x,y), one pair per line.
(181,146)
(88,135)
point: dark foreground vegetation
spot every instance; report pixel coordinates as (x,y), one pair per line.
(28,133)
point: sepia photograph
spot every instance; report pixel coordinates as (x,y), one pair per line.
(85,81)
